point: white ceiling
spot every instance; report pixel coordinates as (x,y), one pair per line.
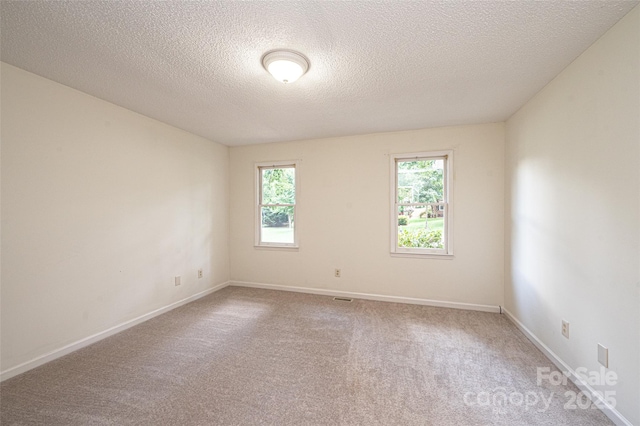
(375,66)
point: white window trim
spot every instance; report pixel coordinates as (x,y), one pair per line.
(257,199)
(447,252)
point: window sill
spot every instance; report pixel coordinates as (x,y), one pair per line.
(276,248)
(423,256)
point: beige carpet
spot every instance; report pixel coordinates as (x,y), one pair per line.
(247,356)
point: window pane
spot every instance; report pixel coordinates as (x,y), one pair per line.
(277,225)
(421,226)
(421,181)
(278,186)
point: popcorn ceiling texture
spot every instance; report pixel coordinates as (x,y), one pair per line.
(374,66)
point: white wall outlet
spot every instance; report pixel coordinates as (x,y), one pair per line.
(565,328)
(199,273)
(176,281)
(603,355)
(338,273)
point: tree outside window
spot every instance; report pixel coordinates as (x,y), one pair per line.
(276,207)
(421,203)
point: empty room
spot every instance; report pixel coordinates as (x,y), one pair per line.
(319,212)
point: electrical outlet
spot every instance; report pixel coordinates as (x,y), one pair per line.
(565,329)
(176,281)
(338,273)
(199,273)
(603,355)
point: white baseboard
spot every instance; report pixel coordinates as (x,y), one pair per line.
(369,296)
(613,414)
(43,359)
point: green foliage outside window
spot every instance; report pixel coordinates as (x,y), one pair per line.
(421,238)
(277,216)
(278,187)
(420,181)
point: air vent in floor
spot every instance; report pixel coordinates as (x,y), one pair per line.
(343,299)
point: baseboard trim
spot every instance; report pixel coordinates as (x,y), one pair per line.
(72,347)
(369,296)
(609,411)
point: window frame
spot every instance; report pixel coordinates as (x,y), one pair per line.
(447,251)
(258,203)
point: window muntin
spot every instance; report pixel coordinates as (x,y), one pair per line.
(276,205)
(421,203)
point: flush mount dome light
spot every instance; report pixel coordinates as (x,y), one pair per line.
(285,66)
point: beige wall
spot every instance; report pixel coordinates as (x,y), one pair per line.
(573,211)
(343,217)
(101,208)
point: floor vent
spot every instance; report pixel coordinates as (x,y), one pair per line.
(343,299)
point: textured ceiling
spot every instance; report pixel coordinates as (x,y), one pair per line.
(375,66)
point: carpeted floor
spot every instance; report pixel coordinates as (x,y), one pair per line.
(246,356)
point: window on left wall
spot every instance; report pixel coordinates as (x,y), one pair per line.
(276,195)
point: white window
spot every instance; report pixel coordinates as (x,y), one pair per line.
(421,209)
(276,191)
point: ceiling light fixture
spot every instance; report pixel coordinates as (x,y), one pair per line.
(285,66)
